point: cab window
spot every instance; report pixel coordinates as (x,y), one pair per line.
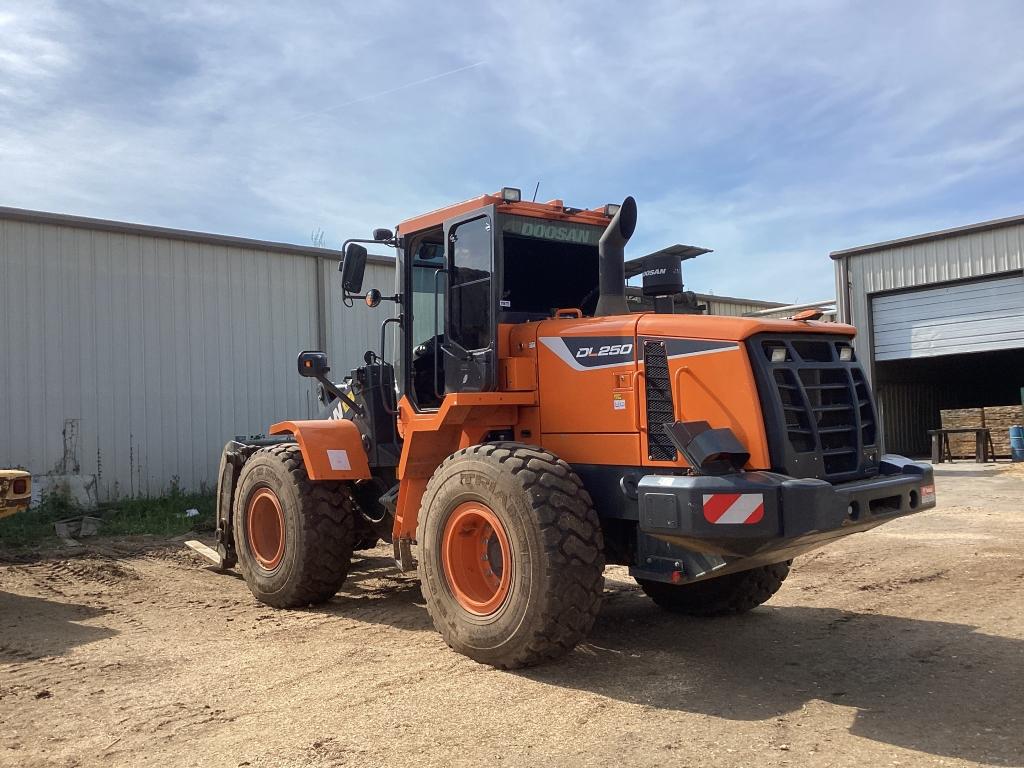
(469,293)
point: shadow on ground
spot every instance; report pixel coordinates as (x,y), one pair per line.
(33,628)
(937,687)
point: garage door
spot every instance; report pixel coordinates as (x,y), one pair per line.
(967,317)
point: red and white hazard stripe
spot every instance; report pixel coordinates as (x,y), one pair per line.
(733,508)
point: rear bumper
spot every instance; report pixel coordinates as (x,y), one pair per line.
(763,517)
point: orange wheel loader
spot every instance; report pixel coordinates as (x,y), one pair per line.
(526,429)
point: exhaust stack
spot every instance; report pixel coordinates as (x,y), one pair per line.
(612,261)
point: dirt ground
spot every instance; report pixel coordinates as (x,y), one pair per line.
(900,646)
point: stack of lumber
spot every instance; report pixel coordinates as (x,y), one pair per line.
(962,418)
(998,418)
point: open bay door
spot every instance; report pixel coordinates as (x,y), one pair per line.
(976,316)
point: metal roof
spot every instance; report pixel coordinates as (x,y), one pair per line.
(736,300)
(682,252)
(939,235)
(147,230)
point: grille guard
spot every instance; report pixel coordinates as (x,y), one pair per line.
(819,414)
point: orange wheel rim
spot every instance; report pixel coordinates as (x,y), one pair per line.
(264,528)
(477,558)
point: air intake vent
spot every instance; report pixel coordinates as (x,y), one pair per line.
(659,402)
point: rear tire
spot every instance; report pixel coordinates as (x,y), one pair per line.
(511,555)
(366,541)
(730,594)
(293,536)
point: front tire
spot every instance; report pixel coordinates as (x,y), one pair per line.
(511,555)
(724,595)
(293,536)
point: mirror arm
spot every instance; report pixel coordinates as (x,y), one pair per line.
(389,243)
(334,390)
(396,298)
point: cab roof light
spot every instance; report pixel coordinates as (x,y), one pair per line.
(511,194)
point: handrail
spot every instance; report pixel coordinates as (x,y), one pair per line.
(437,345)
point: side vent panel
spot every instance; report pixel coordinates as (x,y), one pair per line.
(659,402)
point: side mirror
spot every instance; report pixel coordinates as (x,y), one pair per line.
(313,364)
(372,298)
(382,235)
(352,268)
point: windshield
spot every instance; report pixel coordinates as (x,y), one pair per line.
(548,265)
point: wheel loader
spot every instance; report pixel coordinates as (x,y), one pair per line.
(519,429)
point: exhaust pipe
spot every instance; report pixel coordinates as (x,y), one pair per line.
(611,251)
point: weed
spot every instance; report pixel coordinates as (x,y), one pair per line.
(160,516)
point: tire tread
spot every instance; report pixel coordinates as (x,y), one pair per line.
(573,548)
(722,596)
(327,515)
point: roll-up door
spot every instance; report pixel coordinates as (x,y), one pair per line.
(977,316)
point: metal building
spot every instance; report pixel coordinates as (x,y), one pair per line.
(734,307)
(941,322)
(132,353)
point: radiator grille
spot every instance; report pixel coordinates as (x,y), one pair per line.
(825,418)
(659,402)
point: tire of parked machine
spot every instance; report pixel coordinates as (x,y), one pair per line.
(511,558)
(730,594)
(293,536)
(365,541)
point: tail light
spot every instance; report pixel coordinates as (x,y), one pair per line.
(20,485)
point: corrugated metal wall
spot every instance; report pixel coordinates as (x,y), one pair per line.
(353,330)
(146,353)
(958,257)
(720,305)
(909,410)
(132,353)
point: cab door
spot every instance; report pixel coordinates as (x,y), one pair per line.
(470,322)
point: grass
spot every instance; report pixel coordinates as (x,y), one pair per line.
(163,516)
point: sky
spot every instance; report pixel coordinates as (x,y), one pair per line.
(771,132)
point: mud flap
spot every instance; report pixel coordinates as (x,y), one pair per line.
(231,461)
(235,454)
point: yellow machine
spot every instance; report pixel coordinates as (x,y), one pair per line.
(15,491)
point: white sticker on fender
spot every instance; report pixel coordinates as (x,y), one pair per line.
(339,459)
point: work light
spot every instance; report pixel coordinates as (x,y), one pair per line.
(511,194)
(611,209)
(846,354)
(778,354)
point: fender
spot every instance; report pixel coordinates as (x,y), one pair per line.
(332,449)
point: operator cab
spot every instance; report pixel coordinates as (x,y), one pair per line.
(494,260)
(479,264)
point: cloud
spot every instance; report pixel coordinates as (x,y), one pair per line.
(770,132)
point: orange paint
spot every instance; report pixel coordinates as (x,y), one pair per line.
(476,558)
(327,446)
(552,210)
(614,449)
(463,419)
